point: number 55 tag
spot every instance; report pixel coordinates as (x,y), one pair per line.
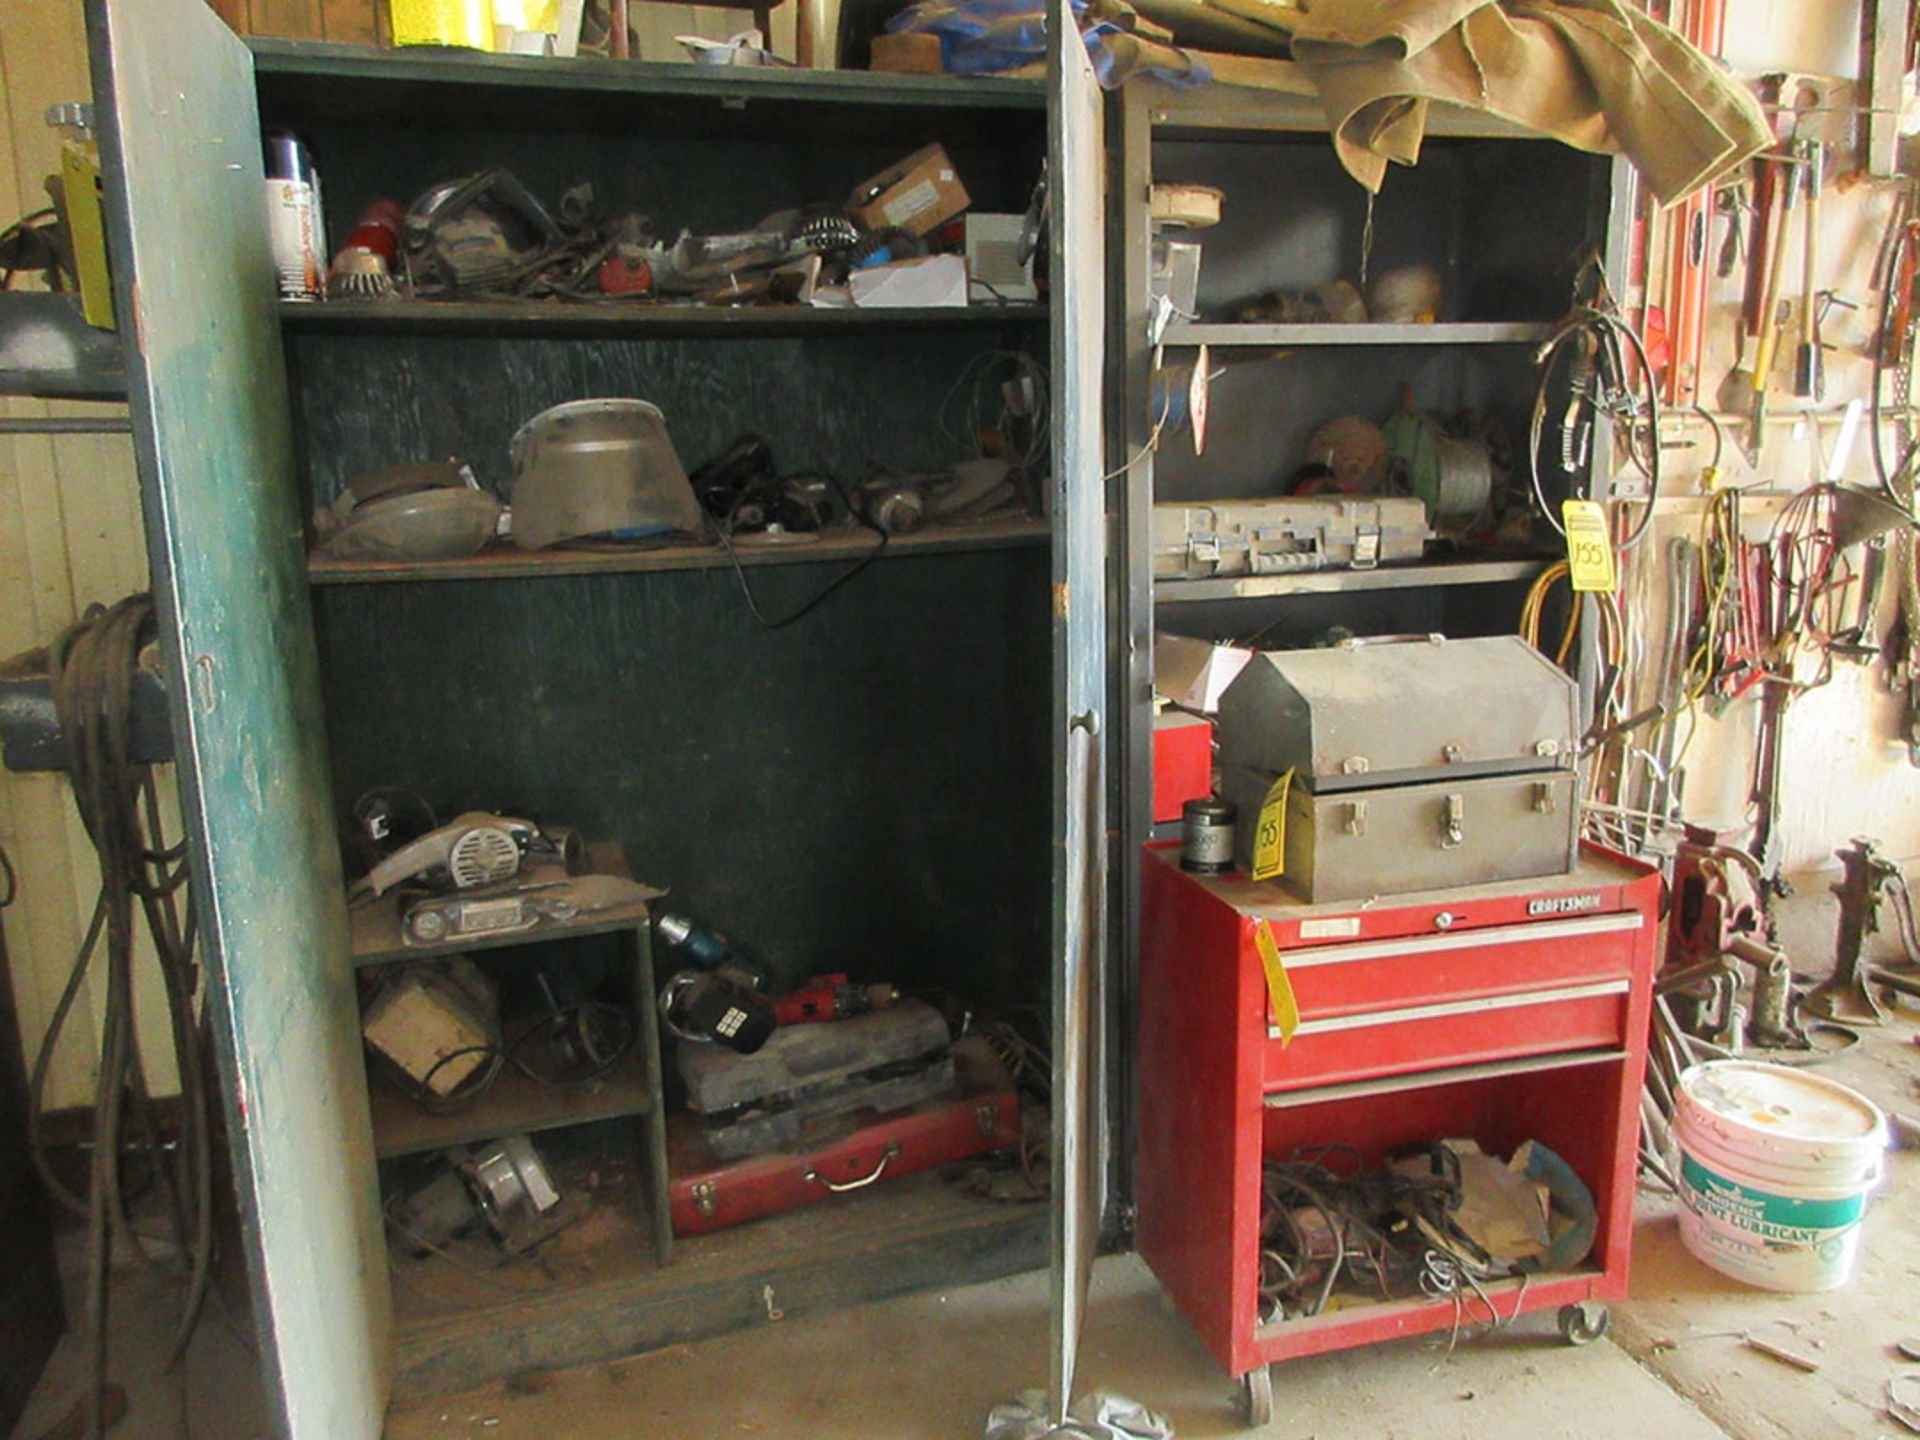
(1270,831)
(1589,546)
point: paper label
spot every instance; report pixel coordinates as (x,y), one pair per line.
(1589,546)
(1270,831)
(910,202)
(1344,927)
(1197,402)
(1286,1010)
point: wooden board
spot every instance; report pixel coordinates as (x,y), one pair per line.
(504,562)
(582,317)
(458,1330)
(515,1105)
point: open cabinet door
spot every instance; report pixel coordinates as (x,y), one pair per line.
(194,289)
(1076,186)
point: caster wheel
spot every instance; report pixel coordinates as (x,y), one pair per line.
(1256,1397)
(1583,1322)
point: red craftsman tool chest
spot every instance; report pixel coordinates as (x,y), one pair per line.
(1504,1013)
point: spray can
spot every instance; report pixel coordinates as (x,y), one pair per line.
(1206,836)
(296,226)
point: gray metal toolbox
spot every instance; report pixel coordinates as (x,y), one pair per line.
(1278,537)
(1416,763)
(885,1060)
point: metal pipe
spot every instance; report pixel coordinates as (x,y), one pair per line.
(67,425)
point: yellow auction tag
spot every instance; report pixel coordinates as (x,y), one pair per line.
(1286,1010)
(1589,546)
(1270,831)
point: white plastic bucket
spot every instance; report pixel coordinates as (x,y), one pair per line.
(1775,1165)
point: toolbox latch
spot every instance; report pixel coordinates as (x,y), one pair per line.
(1356,817)
(1454,832)
(989,1117)
(703,1198)
(1543,796)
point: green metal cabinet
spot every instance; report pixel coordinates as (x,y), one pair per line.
(950,700)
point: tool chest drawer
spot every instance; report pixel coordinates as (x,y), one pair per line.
(1360,1044)
(1373,1007)
(1378,974)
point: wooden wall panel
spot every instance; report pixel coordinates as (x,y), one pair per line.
(70,535)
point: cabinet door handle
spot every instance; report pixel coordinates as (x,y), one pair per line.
(842,1186)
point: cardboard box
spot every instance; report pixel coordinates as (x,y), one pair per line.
(919,194)
(906,54)
(1194,673)
(930,281)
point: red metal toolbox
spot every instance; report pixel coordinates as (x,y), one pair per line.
(711,1194)
(1182,762)
(1504,1012)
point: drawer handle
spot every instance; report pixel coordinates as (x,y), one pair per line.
(1606,923)
(1442,1009)
(842,1186)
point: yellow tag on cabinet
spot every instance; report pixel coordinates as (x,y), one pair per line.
(1589,546)
(1270,831)
(1286,1010)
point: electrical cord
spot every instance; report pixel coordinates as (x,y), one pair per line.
(1894,272)
(1600,351)
(91,669)
(724,528)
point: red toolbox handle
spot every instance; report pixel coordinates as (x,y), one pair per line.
(841,1187)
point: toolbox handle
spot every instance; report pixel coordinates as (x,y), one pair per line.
(1363,642)
(841,1187)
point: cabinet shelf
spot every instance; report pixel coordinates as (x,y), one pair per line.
(515,1105)
(419,89)
(375,930)
(1469,332)
(506,563)
(1340,582)
(551,318)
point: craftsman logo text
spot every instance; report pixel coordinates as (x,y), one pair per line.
(1563,904)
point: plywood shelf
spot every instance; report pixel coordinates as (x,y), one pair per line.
(504,562)
(516,1104)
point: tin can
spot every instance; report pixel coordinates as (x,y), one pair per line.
(1206,836)
(296,227)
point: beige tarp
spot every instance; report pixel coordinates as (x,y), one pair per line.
(1595,73)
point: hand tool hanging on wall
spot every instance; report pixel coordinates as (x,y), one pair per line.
(1766,336)
(1809,378)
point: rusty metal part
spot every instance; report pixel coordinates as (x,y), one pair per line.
(1847,995)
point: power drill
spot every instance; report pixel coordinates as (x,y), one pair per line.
(831,997)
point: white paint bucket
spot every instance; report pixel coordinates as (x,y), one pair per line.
(1774,1169)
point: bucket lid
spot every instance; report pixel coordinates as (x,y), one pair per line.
(1782,1101)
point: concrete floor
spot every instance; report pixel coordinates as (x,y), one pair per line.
(1675,1365)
